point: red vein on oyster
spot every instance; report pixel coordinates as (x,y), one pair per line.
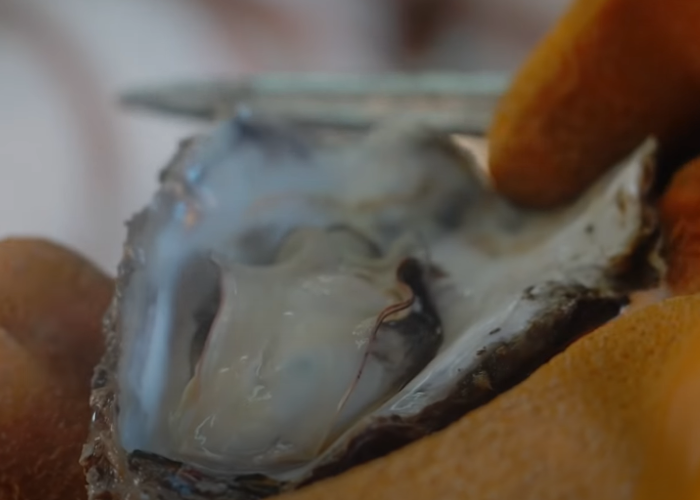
(384,315)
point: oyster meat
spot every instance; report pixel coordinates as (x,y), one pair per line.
(291,305)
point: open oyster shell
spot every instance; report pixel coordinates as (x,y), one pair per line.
(452,295)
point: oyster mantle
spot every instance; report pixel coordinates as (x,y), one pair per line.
(510,287)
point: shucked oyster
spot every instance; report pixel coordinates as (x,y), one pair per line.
(288,308)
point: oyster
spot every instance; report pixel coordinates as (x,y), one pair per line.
(290,305)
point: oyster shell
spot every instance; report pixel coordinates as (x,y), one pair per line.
(291,305)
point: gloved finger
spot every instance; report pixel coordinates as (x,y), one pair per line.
(611,73)
(52,301)
(51,307)
(680,217)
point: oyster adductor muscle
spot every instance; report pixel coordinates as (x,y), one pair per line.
(290,306)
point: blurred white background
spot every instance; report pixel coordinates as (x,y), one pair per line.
(74,167)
